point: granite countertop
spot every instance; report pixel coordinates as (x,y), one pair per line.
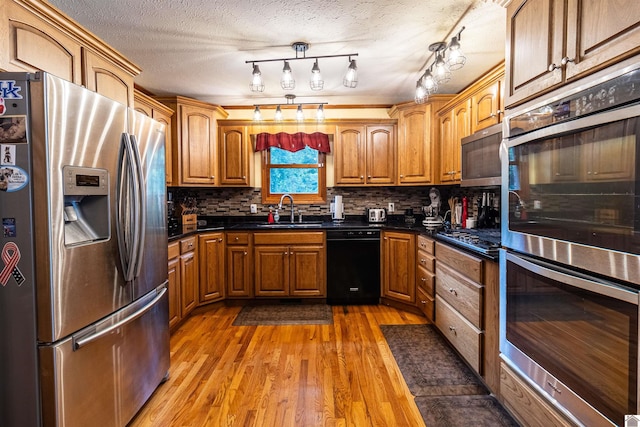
(396,222)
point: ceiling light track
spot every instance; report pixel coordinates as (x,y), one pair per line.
(290,100)
(316,82)
(439,72)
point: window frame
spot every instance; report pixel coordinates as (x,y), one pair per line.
(268,197)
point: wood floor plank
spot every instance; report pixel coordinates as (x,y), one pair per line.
(341,375)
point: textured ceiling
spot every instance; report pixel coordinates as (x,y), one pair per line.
(198,48)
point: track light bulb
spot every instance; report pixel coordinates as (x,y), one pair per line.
(316,81)
(257,116)
(351,77)
(257,84)
(456,57)
(299,114)
(286,81)
(320,113)
(278,115)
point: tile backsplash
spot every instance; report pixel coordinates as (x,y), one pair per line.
(237,201)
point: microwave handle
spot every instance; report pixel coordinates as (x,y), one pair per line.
(574,278)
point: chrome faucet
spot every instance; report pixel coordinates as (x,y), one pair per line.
(291,205)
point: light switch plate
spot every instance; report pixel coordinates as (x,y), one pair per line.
(254,208)
(392,207)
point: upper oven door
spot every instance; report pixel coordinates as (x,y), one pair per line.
(571,193)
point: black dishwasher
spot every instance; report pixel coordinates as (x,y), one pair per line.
(353,266)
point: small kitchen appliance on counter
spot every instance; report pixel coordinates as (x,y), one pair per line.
(337,213)
(377,215)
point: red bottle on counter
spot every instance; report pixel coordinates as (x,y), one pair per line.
(464,212)
(270,219)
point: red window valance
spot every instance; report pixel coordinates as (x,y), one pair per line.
(293,142)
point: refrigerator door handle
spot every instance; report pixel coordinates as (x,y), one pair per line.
(140,198)
(86,339)
(126,211)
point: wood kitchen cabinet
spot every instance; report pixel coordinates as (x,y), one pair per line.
(173,285)
(290,264)
(487,104)
(455,124)
(194,135)
(417,135)
(183,279)
(365,154)
(234,152)
(399,266)
(37,36)
(467,307)
(552,42)
(239,261)
(211,252)
(425,276)
(160,112)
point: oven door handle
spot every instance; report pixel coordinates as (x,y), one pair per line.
(575,279)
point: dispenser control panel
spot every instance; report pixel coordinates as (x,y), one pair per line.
(80,181)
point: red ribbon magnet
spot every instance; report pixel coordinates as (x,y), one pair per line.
(10,256)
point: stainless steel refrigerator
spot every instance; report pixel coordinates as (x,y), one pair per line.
(84,336)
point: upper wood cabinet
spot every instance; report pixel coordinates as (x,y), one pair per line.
(454,125)
(365,154)
(486,106)
(234,152)
(160,112)
(194,134)
(551,42)
(417,134)
(37,36)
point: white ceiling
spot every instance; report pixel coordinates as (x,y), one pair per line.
(198,48)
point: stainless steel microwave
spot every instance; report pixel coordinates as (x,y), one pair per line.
(480,164)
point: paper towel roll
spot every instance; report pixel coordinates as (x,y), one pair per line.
(338,200)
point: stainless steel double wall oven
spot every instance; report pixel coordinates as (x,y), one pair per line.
(570,273)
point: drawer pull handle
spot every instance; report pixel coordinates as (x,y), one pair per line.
(453,291)
(452,329)
(424,279)
(237,238)
(423,302)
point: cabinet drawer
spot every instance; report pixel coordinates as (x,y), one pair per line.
(464,295)
(427,261)
(465,337)
(426,244)
(426,304)
(187,245)
(425,281)
(174,250)
(288,238)
(461,261)
(237,238)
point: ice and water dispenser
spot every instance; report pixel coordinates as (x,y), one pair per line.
(86,205)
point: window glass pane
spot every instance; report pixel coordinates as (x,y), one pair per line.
(307,156)
(302,181)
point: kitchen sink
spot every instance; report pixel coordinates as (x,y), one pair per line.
(306,224)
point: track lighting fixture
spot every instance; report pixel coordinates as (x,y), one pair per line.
(439,72)
(290,100)
(316,81)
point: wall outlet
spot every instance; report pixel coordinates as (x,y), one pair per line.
(392,207)
(537,204)
(254,208)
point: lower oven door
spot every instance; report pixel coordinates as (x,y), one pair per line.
(574,337)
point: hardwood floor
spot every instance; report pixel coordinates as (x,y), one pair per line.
(296,375)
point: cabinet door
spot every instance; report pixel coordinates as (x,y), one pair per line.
(350,153)
(399,260)
(173,288)
(610,158)
(535,40)
(271,271)
(380,157)
(239,279)
(599,33)
(447,135)
(165,119)
(566,158)
(233,152)
(197,146)
(211,253)
(31,44)
(102,76)
(307,271)
(415,146)
(485,108)
(188,282)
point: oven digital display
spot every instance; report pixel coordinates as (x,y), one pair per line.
(88,180)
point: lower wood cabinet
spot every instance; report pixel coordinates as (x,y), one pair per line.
(183,279)
(212,274)
(399,266)
(425,276)
(239,262)
(289,264)
(467,307)
(173,286)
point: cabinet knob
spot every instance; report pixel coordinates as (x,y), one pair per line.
(422,260)
(213,177)
(361,176)
(453,291)
(423,302)
(220,239)
(452,329)
(245,253)
(424,279)
(566,60)
(369,176)
(237,238)
(553,67)
(244,177)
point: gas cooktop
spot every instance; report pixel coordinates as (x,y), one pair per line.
(485,241)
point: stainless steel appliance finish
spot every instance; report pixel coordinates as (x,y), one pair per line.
(377,215)
(480,161)
(85,332)
(353,266)
(574,336)
(485,241)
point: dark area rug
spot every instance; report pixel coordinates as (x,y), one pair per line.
(455,411)
(284,314)
(428,364)
(447,392)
